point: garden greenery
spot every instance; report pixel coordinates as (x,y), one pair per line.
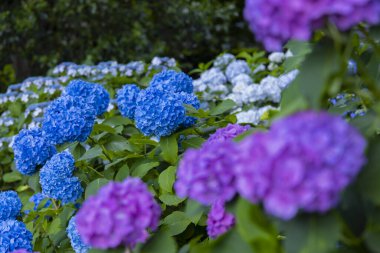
(258,152)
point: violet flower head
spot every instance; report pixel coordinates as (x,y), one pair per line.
(120,214)
(227,133)
(303,162)
(218,220)
(275,22)
(206,174)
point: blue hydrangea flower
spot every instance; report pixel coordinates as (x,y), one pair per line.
(68,119)
(171,80)
(14,235)
(31,149)
(10,205)
(189,99)
(76,242)
(57,181)
(95,94)
(158,113)
(126,100)
(37,198)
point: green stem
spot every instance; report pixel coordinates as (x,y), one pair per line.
(94,170)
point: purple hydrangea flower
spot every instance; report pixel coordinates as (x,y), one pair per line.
(120,214)
(218,220)
(275,22)
(227,133)
(206,175)
(303,162)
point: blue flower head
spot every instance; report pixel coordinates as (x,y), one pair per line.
(37,198)
(170,80)
(10,205)
(68,119)
(57,180)
(14,235)
(76,242)
(95,94)
(31,149)
(158,113)
(189,99)
(126,100)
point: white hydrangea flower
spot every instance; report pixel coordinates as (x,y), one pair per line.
(242,78)
(272,66)
(277,57)
(236,68)
(223,60)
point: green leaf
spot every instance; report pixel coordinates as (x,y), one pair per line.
(369,178)
(227,243)
(123,173)
(34,182)
(255,228)
(94,186)
(169,147)
(315,73)
(177,222)
(194,211)
(161,242)
(92,153)
(142,169)
(171,200)
(312,233)
(167,178)
(11,177)
(225,106)
(195,142)
(55,226)
(117,143)
(98,128)
(117,121)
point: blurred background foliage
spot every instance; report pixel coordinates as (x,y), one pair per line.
(38,34)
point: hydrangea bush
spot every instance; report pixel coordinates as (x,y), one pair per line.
(253,152)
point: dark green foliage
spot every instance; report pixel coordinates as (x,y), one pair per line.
(38,34)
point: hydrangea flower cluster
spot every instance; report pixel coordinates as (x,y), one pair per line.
(126,100)
(275,22)
(284,171)
(233,79)
(218,220)
(94,94)
(226,133)
(68,119)
(57,180)
(76,242)
(159,110)
(22,251)
(14,235)
(31,149)
(170,80)
(10,205)
(119,214)
(279,167)
(210,178)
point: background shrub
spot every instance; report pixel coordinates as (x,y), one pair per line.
(37,34)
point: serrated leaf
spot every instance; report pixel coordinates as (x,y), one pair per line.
(142,169)
(92,153)
(176,222)
(167,178)
(11,177)
(223,107)
(171,200)
(169,147)
(94,186)
(161,242)
(123,173)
